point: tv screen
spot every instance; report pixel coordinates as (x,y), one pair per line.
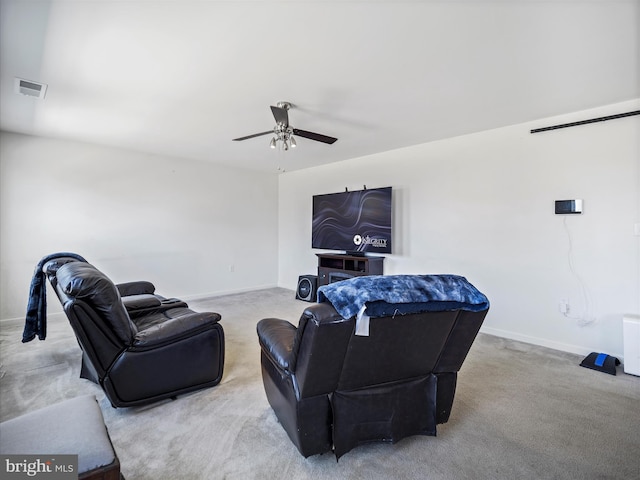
(356,222)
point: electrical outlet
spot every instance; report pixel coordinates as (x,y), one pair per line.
(563,306)
(232,268)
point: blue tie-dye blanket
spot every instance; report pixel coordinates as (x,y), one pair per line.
(386,295)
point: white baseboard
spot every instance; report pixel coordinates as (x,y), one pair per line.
(220,293)
(186,298)
(20,320)
(543,342)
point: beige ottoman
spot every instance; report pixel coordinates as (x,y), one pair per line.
(74,426)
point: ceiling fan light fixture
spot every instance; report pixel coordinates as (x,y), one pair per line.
(283,132)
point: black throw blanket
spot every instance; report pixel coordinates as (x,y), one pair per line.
(36,320)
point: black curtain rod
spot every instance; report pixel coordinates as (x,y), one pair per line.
(583,122)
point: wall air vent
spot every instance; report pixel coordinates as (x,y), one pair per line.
(29,88)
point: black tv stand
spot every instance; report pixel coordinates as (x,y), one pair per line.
(333,267)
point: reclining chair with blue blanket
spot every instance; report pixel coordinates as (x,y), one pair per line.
(375,360)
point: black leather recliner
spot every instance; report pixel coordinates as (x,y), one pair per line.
(138,346)
(332,389)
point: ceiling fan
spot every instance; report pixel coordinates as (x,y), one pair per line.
(283,132)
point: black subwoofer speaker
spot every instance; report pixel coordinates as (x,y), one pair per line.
(307,288)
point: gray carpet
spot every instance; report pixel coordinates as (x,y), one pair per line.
(520,412)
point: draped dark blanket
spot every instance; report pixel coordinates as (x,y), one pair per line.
(36,319)
(386,295)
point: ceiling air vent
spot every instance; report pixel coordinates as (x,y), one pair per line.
(29,88)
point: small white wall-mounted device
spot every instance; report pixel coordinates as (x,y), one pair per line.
(568,206)
(29,88)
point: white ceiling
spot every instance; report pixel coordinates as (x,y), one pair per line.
(183,78)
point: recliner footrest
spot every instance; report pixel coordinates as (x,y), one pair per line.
(384,413)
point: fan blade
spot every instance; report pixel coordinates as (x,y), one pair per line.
(314,136)
(281,115)
(252,136)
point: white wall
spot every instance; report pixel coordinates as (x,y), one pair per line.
(181,224)
(482,206)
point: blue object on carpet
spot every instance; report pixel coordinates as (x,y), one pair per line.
(601,362)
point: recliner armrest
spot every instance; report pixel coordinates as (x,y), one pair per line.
(276,338)
(135,288)
(171,330)
(140,301)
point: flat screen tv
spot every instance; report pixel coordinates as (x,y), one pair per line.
(357,222)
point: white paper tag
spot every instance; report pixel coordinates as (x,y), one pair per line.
(362,323)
